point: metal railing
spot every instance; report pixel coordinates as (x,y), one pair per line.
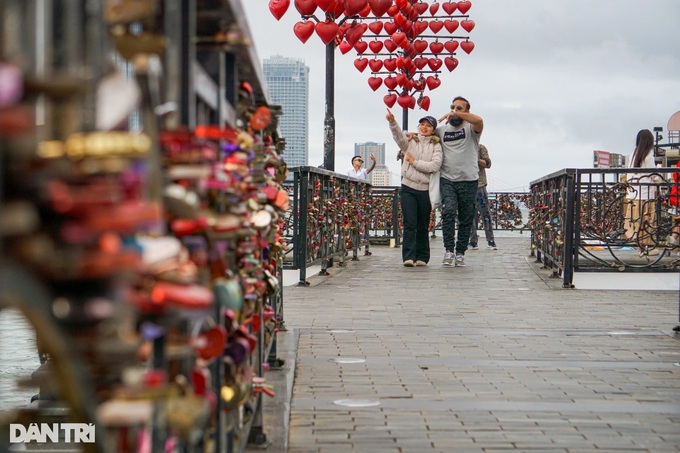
(598,220)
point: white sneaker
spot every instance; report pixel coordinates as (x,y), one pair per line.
(448,259)
(460,261)
(492,246)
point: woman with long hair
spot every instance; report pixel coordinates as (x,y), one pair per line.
(640,218)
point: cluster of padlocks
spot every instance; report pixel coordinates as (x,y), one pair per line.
(148,261)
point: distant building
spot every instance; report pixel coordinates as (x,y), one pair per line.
(288,83)
(366,149)
(605,159)
(380,176)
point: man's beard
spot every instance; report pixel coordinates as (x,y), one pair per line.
(455,122)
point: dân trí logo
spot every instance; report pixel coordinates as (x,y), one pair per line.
(51,432)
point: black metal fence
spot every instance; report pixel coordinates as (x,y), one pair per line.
(598,220)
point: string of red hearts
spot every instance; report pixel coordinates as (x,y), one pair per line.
(409,69)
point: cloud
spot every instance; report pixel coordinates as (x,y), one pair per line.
(553,80)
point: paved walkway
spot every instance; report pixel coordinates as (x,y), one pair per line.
(491,357)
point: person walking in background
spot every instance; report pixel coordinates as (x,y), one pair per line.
(421,156)
(356,170)
(640,217)
(459,174)
(482,204)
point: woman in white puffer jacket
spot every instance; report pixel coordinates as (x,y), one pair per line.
(421,156)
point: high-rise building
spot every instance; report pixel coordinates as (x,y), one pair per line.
(366,149)
(288,83)
(380,176)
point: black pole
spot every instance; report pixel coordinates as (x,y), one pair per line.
(329,121)
(404,120)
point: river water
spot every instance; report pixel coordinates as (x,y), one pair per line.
(18,359)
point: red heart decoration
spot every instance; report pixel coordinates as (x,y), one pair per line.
(420,26)
(399,19)
(468,25)
(434,8)
(408,85)
(390,45)
(366,11)
(399,38)
(420,7)
(375,64)
(434,63)
(407,26)
(360,64)
(391,82)
(467,46)
(401,3)
(376,46)
(375,82)
(450,7)
(451,46)
(392,10)
(390,100)
(305,7)
(354,33)
(405,62)
(436,47)
(424,103)
(345,47)
(391,28)
(420,62)
(464,6)
(326,5)
(303,30)
(436,25)
(432,82)
(379,7)
(451,63)
(451,25)
(354,7)
(405,101)
(339,8)
(401,79)
(361,47)
(390,64)
(420,45)
(419,84)
(327,31)
(278,8)
(376,27)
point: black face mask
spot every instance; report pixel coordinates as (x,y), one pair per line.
(455,122)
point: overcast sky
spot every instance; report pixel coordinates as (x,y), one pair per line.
(552,79)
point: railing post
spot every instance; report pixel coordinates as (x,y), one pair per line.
(569,228)
(395,217)
(300,251)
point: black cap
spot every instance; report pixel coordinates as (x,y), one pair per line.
(360,158)
(429,119)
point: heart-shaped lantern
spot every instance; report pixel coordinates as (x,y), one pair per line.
(434,8)
(468,25)
(436,47)
(390,45)
(464,6)
(391,82)
(420,7)
(303,30)
(432,82)
(354,7)
(360,64)
(376,27)
(434,63)
(327,30)
(345,47)
(379,7)
(326,5)
(420,45)
(391,28)
(451,25)
(354,33)
(375,82)
(376,46)
(375,65)
(450,7)
(390,64)
(278,8)
(424,102)
(392,10)
(467,46)
(390,100)
(419,27)
(399,38)
(436,25)
(451,46)
(305,7)
(361,47)
(406,101)
(420,62)
(451,63)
